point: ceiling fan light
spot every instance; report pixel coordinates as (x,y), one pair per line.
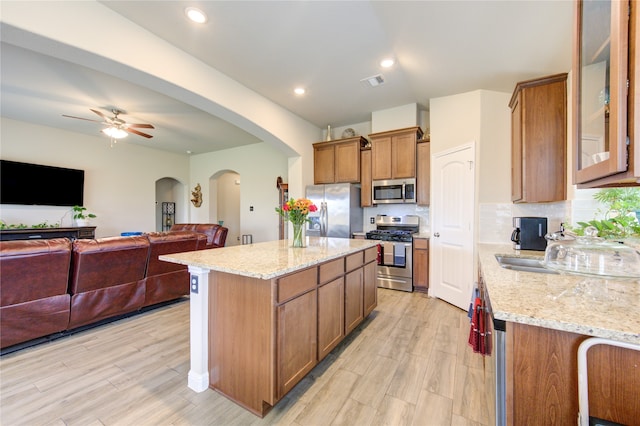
(114,132)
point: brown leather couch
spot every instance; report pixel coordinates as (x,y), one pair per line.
(164,280)
(34,276)
(50,286)
(107,278)
(216,234)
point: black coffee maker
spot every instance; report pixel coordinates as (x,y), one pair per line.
(529,232)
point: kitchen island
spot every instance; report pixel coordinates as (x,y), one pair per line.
(263,315)
(545,319)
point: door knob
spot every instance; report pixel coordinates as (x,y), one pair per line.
(437,234)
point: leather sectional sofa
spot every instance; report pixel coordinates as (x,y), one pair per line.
(216,234)
(57,285)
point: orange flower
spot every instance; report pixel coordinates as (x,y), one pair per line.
(296,211)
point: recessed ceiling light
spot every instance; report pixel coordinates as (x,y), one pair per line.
(196,15)
(386,63)
(299,91)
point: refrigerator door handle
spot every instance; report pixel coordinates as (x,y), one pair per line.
(323,219)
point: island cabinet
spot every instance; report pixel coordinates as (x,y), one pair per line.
(539,140)
(296,335)
(337,161)
(265,335)
(330,306)
(393,153)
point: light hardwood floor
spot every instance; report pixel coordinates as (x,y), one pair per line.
(408,364)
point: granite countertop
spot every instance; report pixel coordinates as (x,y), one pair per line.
(422,235)
(589,306)
(270,259)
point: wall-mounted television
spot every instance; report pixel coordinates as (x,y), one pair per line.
(36,184)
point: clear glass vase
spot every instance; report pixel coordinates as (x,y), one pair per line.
(298,235)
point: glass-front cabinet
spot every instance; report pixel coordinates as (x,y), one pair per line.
(600,93)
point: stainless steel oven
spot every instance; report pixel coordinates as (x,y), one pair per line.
(395,251)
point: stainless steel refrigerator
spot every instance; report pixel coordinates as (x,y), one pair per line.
(339,213)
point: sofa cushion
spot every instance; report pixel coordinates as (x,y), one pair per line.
(95,305)
(33,269)
(107,262)
(167,243)
(213,232)
(36,318)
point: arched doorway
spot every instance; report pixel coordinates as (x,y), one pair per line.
(170,190)
(224,194)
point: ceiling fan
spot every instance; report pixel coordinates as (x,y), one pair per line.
(117,128)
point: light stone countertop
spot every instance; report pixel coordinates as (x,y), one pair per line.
(426,235)
(270,259)
(589,306)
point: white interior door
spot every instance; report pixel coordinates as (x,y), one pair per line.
(452,225)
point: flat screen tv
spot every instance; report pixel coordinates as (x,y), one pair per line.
(36,184)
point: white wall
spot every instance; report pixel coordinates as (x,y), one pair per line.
(83,33)
(120,182)
(259,166)
(399,117)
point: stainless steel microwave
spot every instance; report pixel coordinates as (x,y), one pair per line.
(394,191)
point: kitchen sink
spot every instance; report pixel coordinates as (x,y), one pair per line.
(522,264)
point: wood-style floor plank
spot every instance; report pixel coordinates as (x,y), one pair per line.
(408,363)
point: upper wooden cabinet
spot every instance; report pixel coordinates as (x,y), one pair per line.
(605,94)
(393,153)
(539,140)
(365,178)
(423,173)
(337,161)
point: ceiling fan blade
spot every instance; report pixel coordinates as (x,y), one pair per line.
(80,118)
(100,114)
(145,126)
(138,133)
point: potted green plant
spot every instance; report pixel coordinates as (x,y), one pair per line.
(620,220)
(82,216)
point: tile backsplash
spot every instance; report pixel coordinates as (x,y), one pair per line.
(495,219)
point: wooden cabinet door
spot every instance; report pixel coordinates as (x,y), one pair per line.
(539,140)
(365,179)
(423,173)
(296,340)
(381,158)
(347,162)
(330,316)
(421,264)
(323,164)
(516,150)
(403,156)
(354,301)
(370,288)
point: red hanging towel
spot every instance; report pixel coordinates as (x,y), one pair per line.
(474,337)
(477,333)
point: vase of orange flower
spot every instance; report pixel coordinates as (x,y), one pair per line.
(296,212)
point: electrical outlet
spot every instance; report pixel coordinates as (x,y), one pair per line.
(372,220)
(194,284)
(250,208)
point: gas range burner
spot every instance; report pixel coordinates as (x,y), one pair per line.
(390,235)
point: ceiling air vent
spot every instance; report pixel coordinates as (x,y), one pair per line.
(373,81)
